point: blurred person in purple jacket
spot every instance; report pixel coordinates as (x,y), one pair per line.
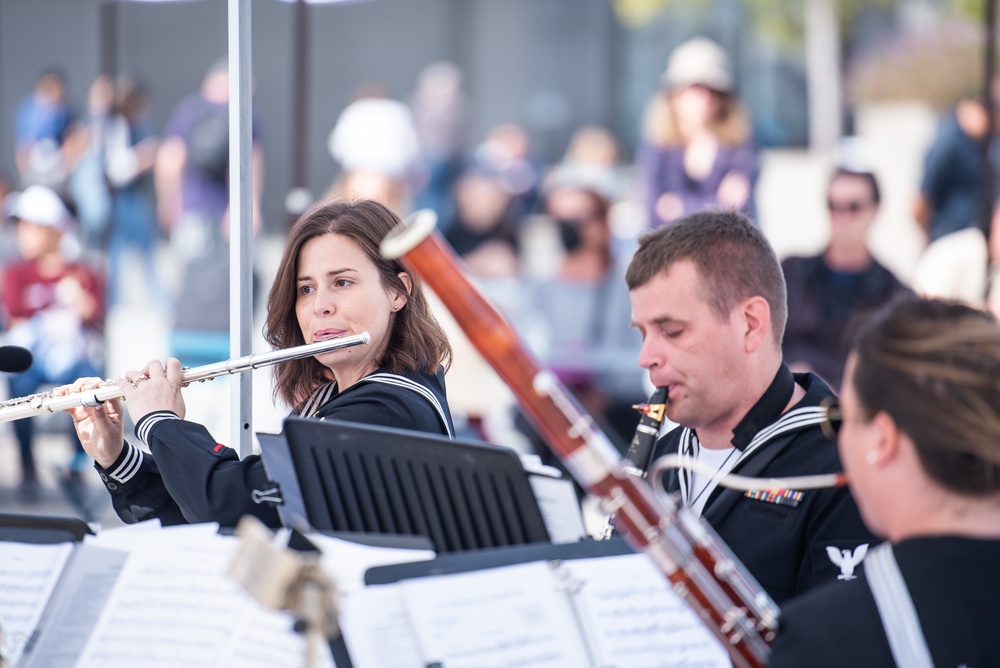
(695,149)
(191,185)
(191,171)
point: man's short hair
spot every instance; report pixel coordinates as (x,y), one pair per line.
(732,255)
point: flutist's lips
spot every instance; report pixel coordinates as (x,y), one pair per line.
(327,334)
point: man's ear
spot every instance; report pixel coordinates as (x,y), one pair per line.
(756,313)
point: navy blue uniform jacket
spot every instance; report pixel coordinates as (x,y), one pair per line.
(188,477)
(781,542)
(954,587)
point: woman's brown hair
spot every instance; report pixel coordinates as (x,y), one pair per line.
(934,367)
(416,341)
(659,126)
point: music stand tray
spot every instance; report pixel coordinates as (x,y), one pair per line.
(42,529)
(462,495)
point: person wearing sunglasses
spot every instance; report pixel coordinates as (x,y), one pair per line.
(918,427)
(829,293)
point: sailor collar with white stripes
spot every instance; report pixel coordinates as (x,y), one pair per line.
(767,409)
(324,393)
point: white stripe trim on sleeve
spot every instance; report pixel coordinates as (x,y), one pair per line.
(129,466)
(149,421)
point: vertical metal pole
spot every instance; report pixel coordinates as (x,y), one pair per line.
(824,83)
(109,37)
(300,105)
(300,196)
(989,72)
(109,66)
(240,219)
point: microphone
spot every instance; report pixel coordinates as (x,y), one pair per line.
(14,359)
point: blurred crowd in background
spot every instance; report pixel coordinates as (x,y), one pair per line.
(96,184)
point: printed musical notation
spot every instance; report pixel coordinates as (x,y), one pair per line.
(637,619)
(615,611)
(27,577)
(163,601)
(528,623)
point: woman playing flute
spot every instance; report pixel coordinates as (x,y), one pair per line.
(331,282)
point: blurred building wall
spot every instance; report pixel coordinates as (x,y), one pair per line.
(550,65)
(542,63)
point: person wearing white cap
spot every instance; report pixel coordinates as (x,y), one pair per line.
(374,143)
(52,306)
(695,149)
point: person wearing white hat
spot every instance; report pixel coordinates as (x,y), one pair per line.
(695,149)
(54,307)
(374,143)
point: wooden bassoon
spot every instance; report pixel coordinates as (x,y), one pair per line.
(701,568)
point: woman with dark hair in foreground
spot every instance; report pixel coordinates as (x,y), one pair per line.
(919,436)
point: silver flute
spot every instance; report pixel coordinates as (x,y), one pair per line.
(41,403)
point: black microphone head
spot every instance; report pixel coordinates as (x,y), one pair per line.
(14,359)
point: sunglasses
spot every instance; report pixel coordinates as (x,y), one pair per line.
(852,208)
(834,417)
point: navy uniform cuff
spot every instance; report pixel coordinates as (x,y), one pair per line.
(128,466)
(125,468)
(150,420)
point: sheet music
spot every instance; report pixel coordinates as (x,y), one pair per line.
(28,574)
(175,605)
(346,561)
(76,604)
(496,618)
(265,637)
(533,466)
(637,619)
(124,534)
(377,629)
(560,508)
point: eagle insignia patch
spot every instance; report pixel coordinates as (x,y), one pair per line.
(847,560)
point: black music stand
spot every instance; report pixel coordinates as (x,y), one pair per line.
(42,529)
(473,561)
(460,494)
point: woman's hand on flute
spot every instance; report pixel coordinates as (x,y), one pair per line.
(153,389)
(99,428)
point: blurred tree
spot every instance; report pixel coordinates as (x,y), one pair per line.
(637,13)
(938,67)
(826,30)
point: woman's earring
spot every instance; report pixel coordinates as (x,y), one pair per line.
(871,457)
